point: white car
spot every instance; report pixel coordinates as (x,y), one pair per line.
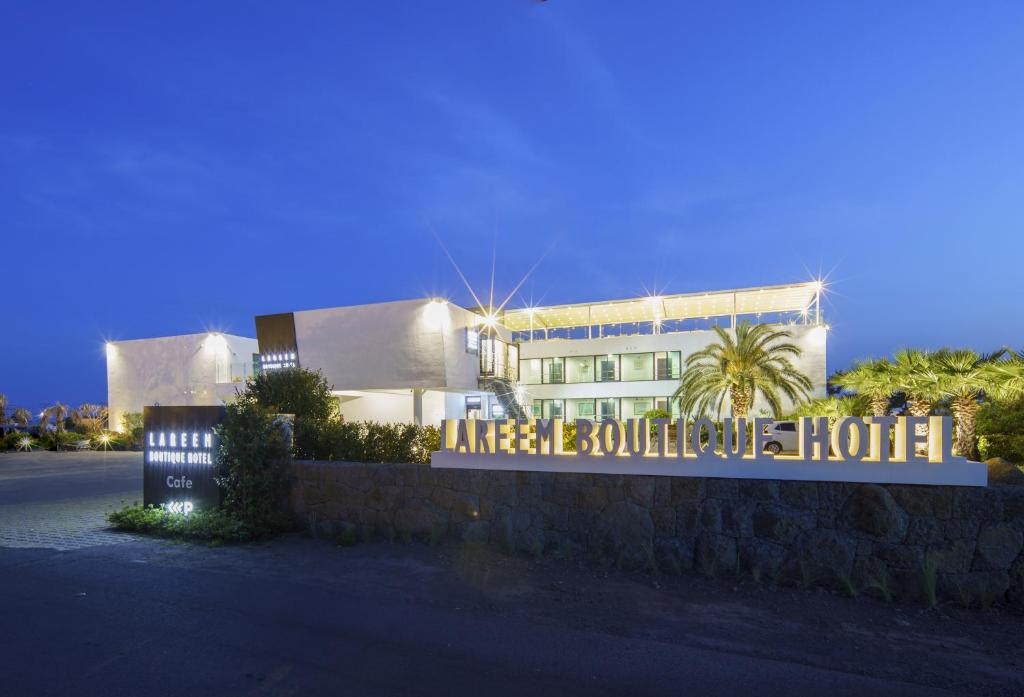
(782,437)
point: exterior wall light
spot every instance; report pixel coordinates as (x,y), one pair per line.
(435,314)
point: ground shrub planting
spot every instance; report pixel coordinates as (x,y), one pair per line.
(371,441)
(213,525)
(13,440)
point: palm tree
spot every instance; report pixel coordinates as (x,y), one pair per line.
(875,379)
(89,418)
(60,413)
(44,420)
(914,373)
(1010,374)
(755,362)
(22,417)
(963,377)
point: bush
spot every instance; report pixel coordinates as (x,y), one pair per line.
(370,441)
(132,429)
(214,525)
(569,436)
(1009,446)
(301,392)
(254,466)
(59,440)
(12,441)
(1001,430)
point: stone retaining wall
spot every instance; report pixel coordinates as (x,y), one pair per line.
(869,538)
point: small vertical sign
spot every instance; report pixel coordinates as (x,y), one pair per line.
(180,457)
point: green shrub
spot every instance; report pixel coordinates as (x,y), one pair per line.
(213,525)
(131,430)
(301,392)
(254,465)
(1009,446)
(59,440)
(12,441)
(1001,430)
(569,436)
(370,441)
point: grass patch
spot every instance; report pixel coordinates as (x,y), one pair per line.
(213,526)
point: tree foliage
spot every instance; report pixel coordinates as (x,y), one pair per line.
(756,363)
(254,466)
(301,392)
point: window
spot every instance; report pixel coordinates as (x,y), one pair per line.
(554,370)
(473,407)
(638,366)
(786,426)
(535,410)
(497,410)
(607,368)
(579,369)
(666,365)
(529,371)
(553,408)
(608,408)
(472,340)
(579,409)
(639,407)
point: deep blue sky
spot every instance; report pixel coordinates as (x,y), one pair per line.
(170,169)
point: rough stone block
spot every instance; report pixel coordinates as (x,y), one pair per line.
(799,494)
(687,488)
(998,546)
(673,555)
(723,488)
(779,524)
(951,557)
(871,510)
(758,489)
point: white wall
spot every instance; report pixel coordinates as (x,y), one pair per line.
(811,339)
(398,345)
(188,370)
(391,407)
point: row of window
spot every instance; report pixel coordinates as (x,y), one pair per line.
(600,409)
(612,367)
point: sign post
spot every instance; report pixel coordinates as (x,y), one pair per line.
(180,458)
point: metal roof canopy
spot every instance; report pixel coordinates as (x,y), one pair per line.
(795,297)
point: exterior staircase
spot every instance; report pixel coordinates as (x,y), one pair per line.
(505,390)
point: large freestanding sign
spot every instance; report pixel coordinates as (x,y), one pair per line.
(882,450)
(180,458)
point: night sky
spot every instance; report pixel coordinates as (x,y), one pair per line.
(176,168)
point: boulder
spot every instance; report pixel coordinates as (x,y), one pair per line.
(624,532)
(825,557)
(1004,472)
(716,555)
(779,524)
(998,546)
(871,510)
(673,555)
(421,519)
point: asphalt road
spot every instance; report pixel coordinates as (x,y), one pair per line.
(302,617)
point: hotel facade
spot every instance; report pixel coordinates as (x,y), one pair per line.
(422,361)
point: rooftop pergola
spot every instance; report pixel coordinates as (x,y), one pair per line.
(804,298)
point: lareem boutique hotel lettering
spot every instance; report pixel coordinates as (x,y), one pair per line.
(180,448)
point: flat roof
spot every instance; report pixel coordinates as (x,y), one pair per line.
(794,297)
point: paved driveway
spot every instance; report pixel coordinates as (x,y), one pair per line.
(60,500)
(87,611)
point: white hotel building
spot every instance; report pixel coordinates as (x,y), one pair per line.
(421,361)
